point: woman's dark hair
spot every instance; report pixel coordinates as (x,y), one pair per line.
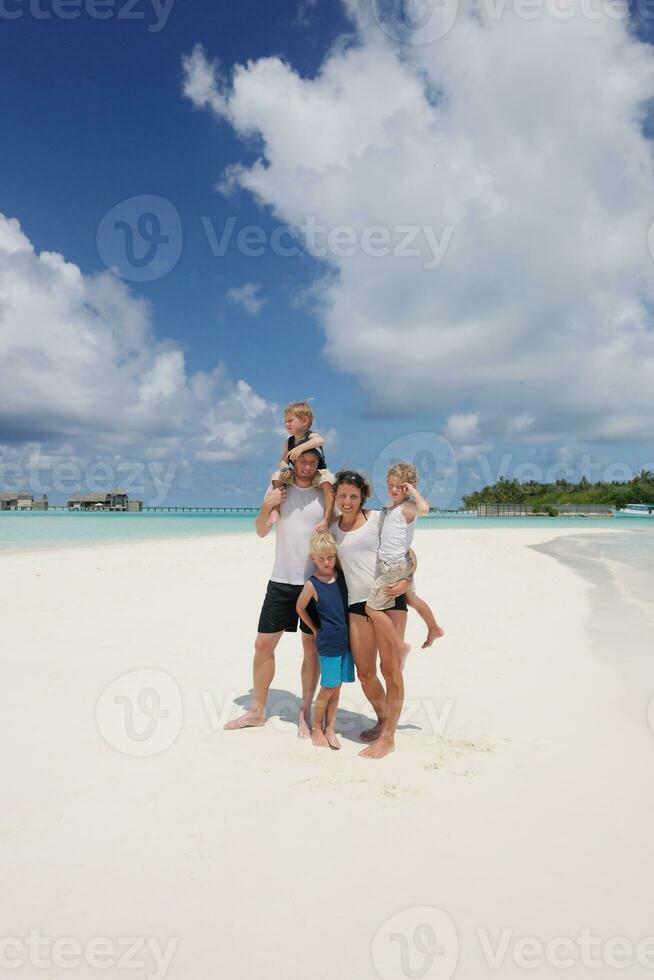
(354,478)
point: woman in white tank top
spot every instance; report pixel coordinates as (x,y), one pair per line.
(356,533)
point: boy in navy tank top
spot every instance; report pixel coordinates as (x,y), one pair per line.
(326,592)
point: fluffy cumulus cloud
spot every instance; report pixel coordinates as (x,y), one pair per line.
(84,378)
(484,198)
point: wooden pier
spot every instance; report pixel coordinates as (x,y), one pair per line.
(161,510)
(203,510)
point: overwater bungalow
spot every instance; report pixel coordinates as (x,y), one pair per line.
(22,501)
(106,500)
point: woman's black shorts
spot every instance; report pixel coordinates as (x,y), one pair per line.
(359,608)
(278,610)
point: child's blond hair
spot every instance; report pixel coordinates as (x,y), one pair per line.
(322,545)
(406,472)
(300,410)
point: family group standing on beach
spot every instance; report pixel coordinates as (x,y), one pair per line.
(349,582)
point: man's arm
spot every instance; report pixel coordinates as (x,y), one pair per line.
(330,500)
(273,498)
(306,595)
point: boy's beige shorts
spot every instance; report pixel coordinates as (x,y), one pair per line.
(386,575)
(322,476)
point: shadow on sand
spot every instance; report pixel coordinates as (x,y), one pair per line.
(286,706)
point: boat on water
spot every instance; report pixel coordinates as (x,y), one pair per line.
(635,510)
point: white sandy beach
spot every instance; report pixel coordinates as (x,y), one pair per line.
(519,801)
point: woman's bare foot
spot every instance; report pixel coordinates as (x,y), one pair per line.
(372,734)
(332,741)
(432,635)
(384,745)
(251,719)
(319,740)
(405,650)
(303,727)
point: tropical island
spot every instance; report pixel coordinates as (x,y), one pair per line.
(549,498)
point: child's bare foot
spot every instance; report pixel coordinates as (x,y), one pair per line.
(432,635)
(372,734)
(303,727)
(274,517)
(384,745)
(319,739)
(251,719)
(405,650)
(322,525)
(332,741)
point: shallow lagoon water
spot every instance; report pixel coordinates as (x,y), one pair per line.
(61,529)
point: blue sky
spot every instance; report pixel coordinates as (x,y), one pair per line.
(94,114)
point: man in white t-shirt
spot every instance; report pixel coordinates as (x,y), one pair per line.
(301,508)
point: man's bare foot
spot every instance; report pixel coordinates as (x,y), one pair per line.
(319,739)
(405,650)
(372,734)
(332,741)
(432,635)
(303,729)
(384,745)
(251,719)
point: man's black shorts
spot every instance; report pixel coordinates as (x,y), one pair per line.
(278,610)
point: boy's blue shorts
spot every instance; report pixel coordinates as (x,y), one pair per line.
(337,670)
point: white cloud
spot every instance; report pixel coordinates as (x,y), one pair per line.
(524,137)
(461,427)
(83,376)
(521,423)
(248,297)
(199,81)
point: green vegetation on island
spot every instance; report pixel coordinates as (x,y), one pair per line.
(546,497)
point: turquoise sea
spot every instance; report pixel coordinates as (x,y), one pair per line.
(57,529)
(620,570)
